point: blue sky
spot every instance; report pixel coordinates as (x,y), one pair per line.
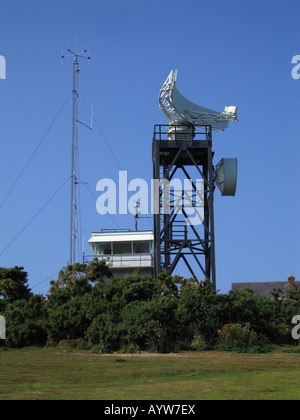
(236,52)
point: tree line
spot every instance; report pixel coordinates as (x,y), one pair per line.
(89,308)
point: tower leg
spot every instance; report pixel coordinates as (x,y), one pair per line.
(211,217)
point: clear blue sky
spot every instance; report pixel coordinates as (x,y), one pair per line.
(236,52)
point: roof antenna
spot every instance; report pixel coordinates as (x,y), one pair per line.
(136,213)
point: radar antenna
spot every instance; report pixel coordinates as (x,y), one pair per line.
(180,110)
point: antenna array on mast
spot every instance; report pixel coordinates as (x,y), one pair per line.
(74,162)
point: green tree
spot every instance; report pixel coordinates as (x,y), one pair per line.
(247,307)
(150,323)
(73,300)
(200,309)
(13,284)
(26,322)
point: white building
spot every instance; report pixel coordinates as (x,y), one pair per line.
(125,251)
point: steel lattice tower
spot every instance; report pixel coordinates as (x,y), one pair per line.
(185,146)
(74,159)
(176,238)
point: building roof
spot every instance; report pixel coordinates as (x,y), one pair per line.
(263,288)
(121,236)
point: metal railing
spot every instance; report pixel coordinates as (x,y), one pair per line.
(177,131)
(124,260)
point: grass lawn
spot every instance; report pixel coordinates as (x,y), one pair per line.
(50,374)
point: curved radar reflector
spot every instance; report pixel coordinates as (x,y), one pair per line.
(226,176)
(180,110)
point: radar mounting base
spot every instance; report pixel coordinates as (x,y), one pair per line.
(184,151)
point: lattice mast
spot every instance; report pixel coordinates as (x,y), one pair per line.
(74,153)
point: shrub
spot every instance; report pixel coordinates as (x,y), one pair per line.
(137,312)
(238,338)
(25,323)
(101,348)
(199,343)
(131,349)
(76,344)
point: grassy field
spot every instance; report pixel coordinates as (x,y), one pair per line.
(50,374)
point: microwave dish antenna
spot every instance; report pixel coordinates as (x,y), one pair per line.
(180,110)
(226,176)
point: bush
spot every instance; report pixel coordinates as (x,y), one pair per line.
(136,312)
(77,344)
(25,323)
(240,339)
(199,309)
(101,348)
(199,343)
(130,349)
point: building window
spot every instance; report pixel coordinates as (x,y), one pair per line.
(141,247)
(122,248)
(103,248)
